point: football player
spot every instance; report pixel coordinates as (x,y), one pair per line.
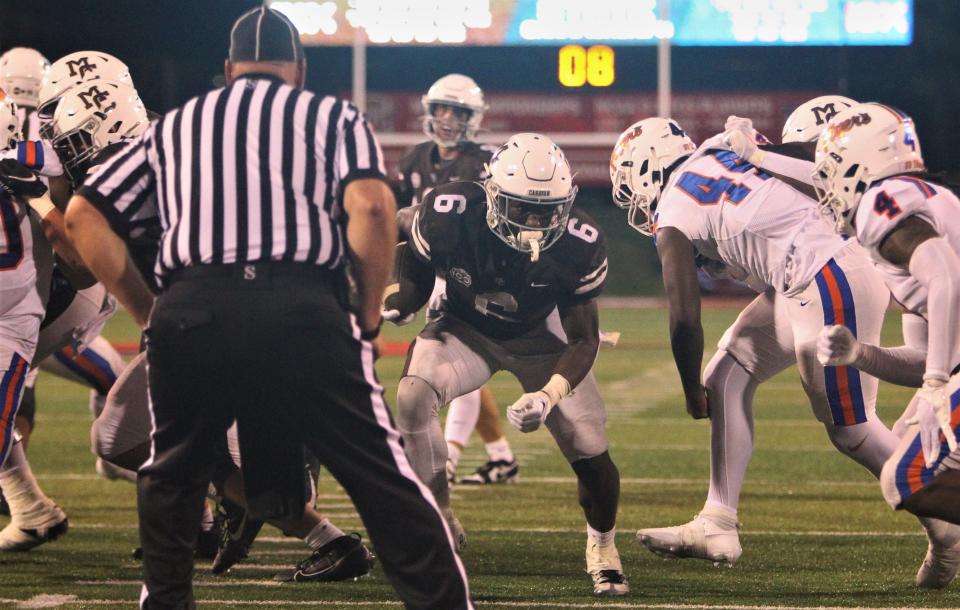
(713,208)
(522,275)
(869,176)
(453,110)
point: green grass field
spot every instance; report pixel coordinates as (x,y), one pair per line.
(816,532)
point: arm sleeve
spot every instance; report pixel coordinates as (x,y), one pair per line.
(358,152)
(903,365)
(122,188)
(937,267)
(790,167)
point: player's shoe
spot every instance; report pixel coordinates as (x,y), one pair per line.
(603,565)
(494,471)
(702,538)
(239,532)
(43,522)
(342,558)
(939,567)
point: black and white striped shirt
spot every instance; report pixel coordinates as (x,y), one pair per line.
(248,173)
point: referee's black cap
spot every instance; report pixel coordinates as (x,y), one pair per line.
(263,34)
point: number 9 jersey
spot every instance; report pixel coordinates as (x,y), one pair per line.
(495,288)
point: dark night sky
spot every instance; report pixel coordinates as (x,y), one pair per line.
(175,48)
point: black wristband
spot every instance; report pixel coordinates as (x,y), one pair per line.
(370,335)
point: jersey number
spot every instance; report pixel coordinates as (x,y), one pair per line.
(584,231)
(885,205)
(445,203)
(10,258)
(709,191)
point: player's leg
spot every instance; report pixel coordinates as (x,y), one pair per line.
(501,466)
(757,346)
(121,434)
(461,419)
(27,413)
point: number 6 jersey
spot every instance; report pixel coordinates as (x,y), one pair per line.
(763,230)
(493,287)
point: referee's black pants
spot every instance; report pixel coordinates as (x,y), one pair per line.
(271,346)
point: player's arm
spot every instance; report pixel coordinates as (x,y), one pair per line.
(903,365)
(581,323)
(792,162)
(405,298)
(371,235)
(677,258)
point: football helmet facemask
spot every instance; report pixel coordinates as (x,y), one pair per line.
(862,144)
(529,193)
(638,164)
(452,110)
(9,123)
(74,69)
(91,117)
(22,71)
(810,118)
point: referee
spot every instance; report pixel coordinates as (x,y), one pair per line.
(263,190)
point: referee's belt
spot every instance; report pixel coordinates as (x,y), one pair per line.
(256,273)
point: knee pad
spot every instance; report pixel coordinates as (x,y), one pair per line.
(888,483)
(417,404)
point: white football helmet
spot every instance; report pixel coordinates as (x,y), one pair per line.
(529,193)
(862,144)
(810,118)
(9,123)
(460,93)
(22,71)
(91,117)
(77,68)
(638,164)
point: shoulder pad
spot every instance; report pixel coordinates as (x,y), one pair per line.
(887,203)
(438,221)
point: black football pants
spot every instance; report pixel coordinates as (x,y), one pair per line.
(271,346)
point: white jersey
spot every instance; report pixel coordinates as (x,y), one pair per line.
(884,206)
(763,230)
(21,309)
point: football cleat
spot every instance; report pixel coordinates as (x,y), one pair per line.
(939,567)
(494,471)
(239,532)
(342,558)
(701,538)
(44,522)
(603,565)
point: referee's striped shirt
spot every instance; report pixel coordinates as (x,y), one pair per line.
(248,173)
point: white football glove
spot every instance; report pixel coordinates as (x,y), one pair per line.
(529,411)
(738,123)
(933,417)
(836,346)
(392,314)
(742,140)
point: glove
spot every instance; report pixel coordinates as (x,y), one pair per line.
(529,411)
(836,346)
(742,140)
(390,311)
(20,181)
(735,122)
(933,417)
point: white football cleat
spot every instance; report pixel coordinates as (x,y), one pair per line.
(603,565)
(44,522)
(701,538)
(939,567)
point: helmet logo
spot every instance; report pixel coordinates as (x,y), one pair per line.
(824,113)
(80,67)
(94,97)
(843,127)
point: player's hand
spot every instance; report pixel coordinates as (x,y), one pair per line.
(20,181)
(697,404)
(529,411)
(933,417)
(742,140)
(391,309)
(836,346)
(735,122)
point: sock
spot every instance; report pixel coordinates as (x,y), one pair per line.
(321,534)
(601,538)
(499,450)
(462,418)
(731,428)
(723,516)
(19,486)
(453,453)
(940,532)
(206,521)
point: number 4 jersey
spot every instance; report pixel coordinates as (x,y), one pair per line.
(764,231)
(495,288)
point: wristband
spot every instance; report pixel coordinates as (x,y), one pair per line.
(370,335)
(556,388)
(42,205)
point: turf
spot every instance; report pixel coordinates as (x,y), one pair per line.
(815,529)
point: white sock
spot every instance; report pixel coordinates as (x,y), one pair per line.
(19,486)
(731,428)
(601,538)
(499,450)
(462,418)
(724,516)
(321,534)
(206,521)
(942,533)
(453,453)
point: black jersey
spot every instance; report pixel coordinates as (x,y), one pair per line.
(492,286)
(421,169)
